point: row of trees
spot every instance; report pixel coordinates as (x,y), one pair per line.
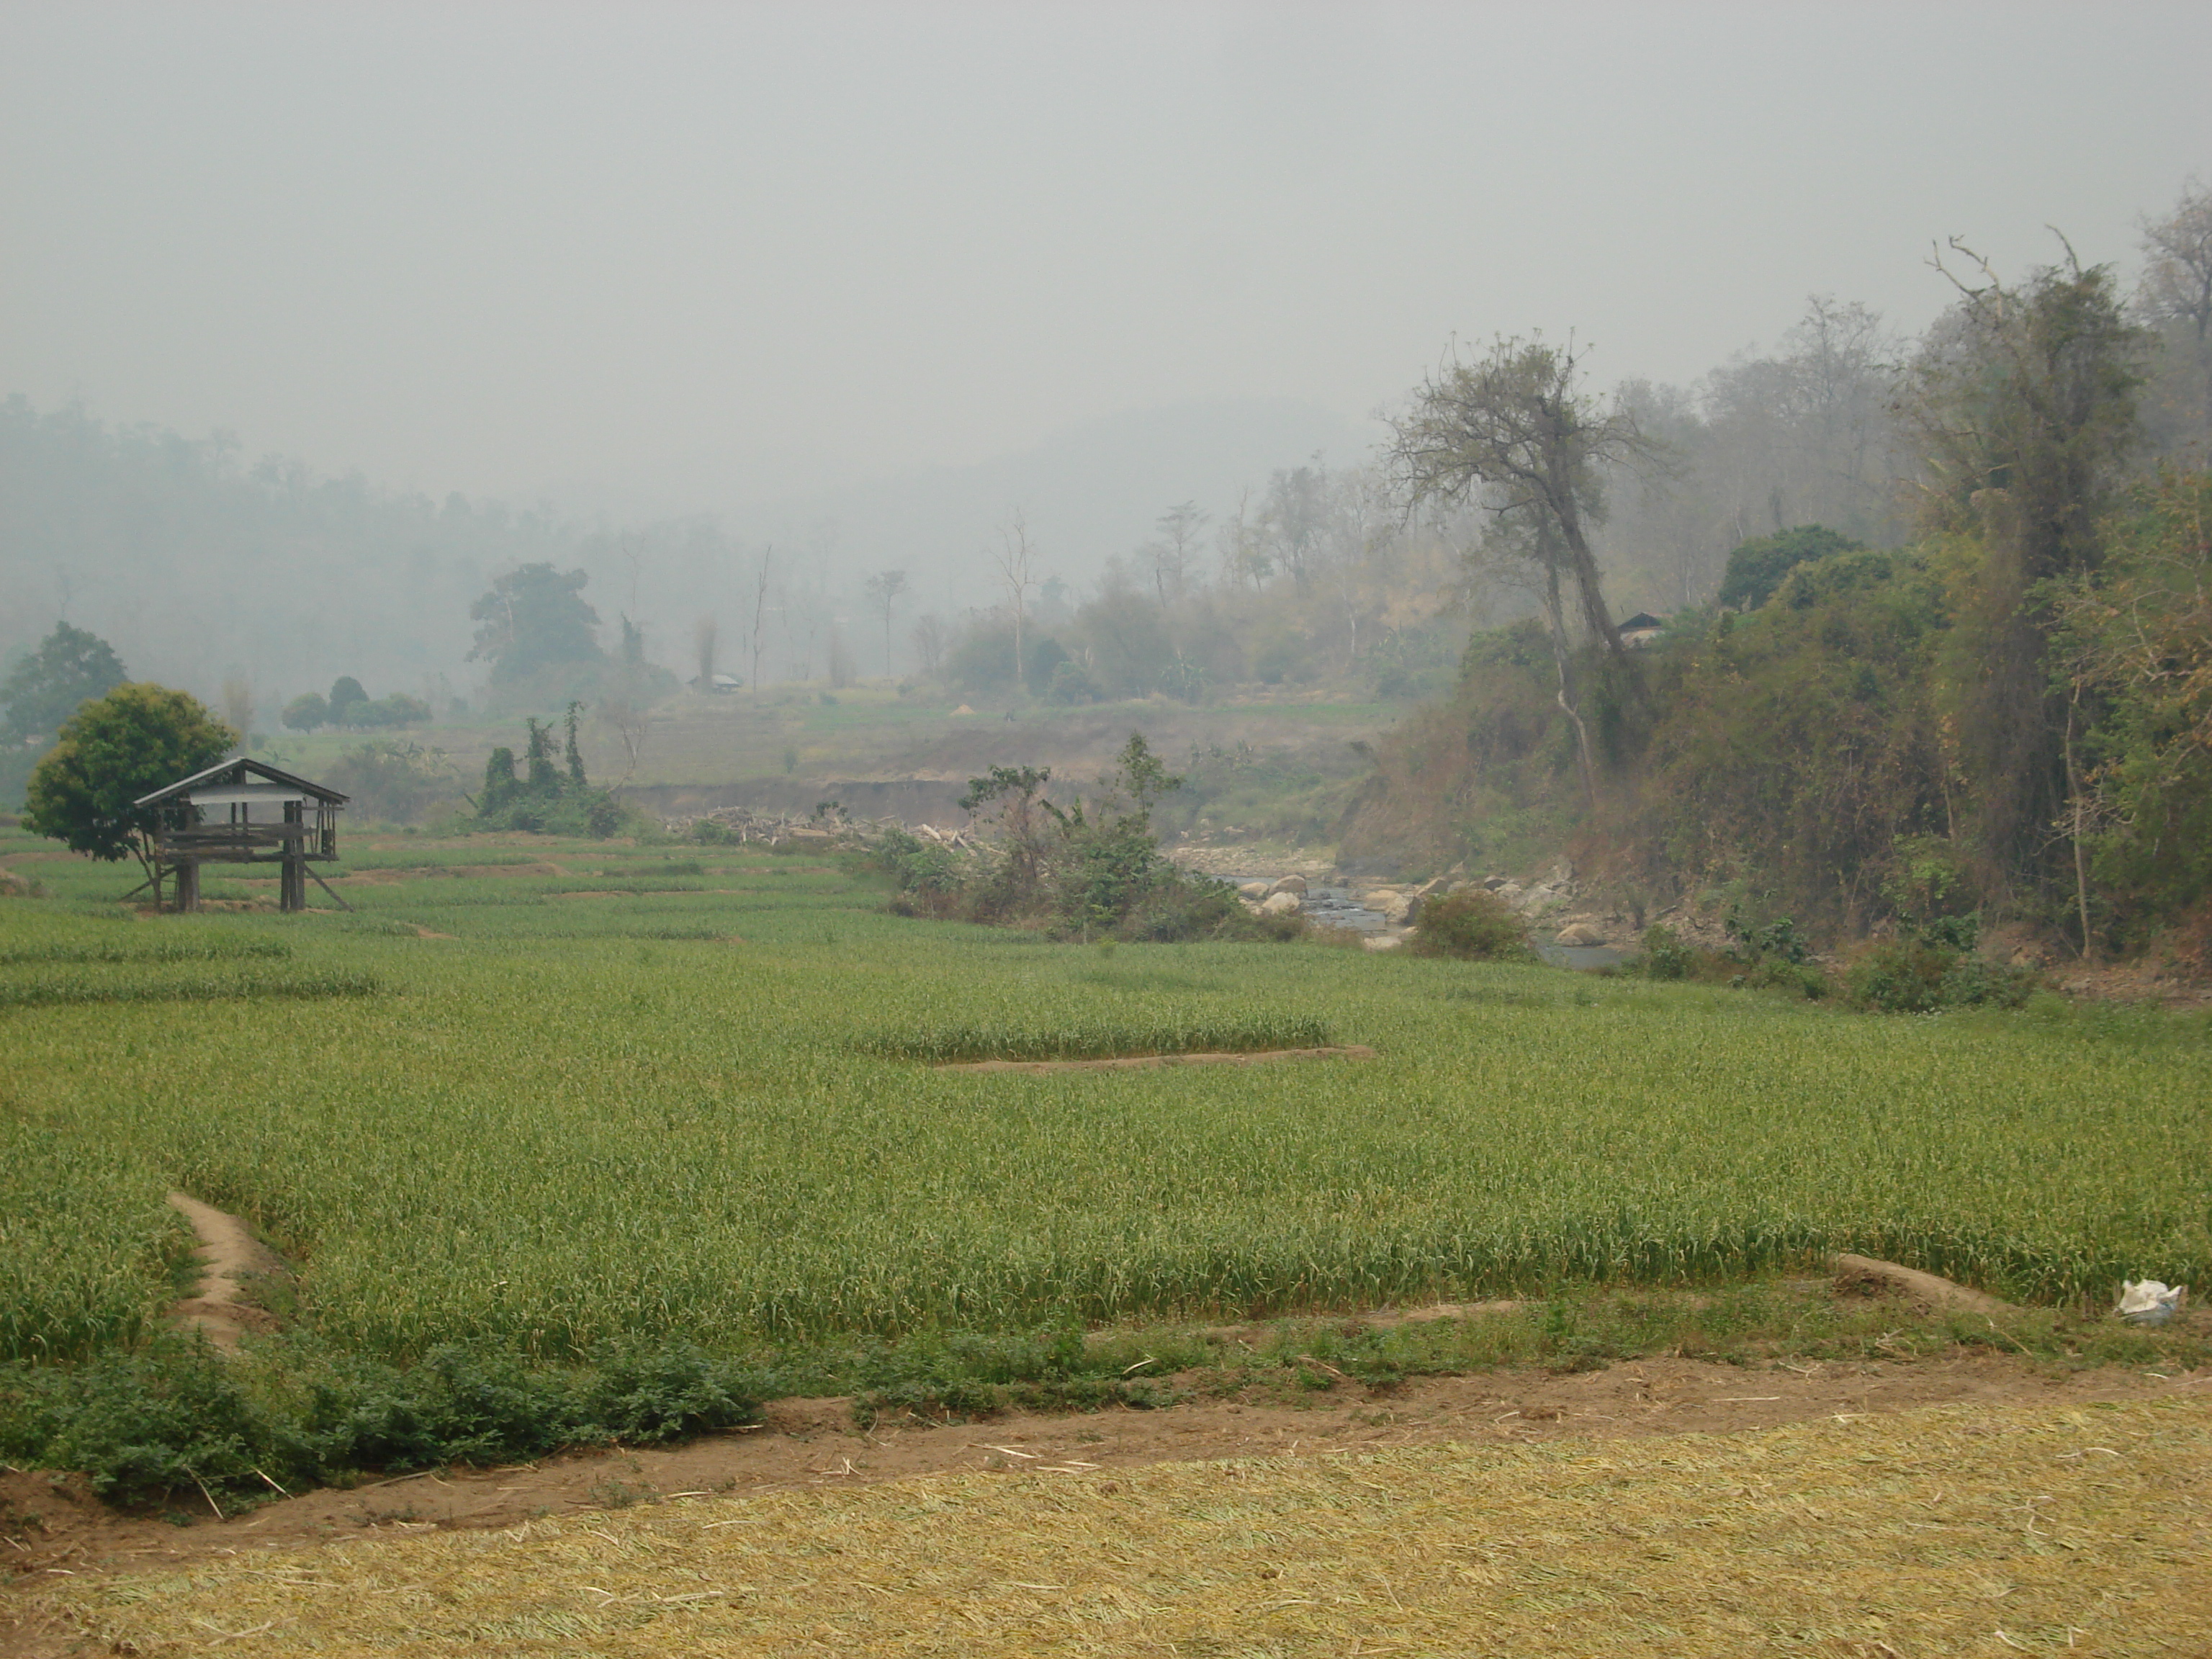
(1318,578)
(350,706)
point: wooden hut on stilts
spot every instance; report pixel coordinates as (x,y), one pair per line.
(245,811)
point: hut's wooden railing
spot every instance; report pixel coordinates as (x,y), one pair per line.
(219,841)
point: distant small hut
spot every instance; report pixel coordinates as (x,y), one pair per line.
(245,811)
(1641,629)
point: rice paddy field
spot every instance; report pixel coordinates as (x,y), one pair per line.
(547,1095)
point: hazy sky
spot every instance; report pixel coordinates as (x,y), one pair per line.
(690,255)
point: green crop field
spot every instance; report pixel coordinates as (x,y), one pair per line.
(545,1095)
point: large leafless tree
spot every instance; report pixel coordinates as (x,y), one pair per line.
(1514,433)
(1015,558)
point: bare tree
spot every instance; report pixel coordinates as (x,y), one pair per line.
(885,589)
(1293,518)
(627,710)
(929,637)
(760,610)
(1171,549)
(703,651)
(2176,279)
(1015,558)
(1515,433)
(1244,556)
(238,708)
(1520,545)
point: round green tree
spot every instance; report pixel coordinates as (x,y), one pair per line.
(113,750)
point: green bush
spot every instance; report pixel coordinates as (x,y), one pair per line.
(1071,685)
(178,1417)
(1916,976)
(1664,954)
(1472,925)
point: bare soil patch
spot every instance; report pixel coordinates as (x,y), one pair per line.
(1143,1062)
(1863,1275)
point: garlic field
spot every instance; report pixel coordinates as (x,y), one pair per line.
(552,1094)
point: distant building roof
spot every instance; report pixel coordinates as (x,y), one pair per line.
(1642,619)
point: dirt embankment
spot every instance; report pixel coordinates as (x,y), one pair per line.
(53,1526)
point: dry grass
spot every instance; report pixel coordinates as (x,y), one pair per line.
(1958,1530)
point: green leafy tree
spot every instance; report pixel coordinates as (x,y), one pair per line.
(2136,644)
(71,667)
(397,709)
(307,711)
(1015,791)
(1756,568)
(535,618)
(130,743)
(2025,401)
(345,692)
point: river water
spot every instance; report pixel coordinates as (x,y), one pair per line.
(1335,907)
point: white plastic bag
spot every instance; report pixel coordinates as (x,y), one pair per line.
(2147,1302)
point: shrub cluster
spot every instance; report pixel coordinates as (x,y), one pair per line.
(1472,925)
(1918,976)
(178,1417)
(1932,965)
(547,798)
(1092,870)
(1773,956)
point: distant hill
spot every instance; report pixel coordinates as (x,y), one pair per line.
(199,566)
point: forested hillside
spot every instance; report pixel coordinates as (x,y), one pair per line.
(2007,715)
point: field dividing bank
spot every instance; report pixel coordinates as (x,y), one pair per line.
(2035,1529)
(658,1116)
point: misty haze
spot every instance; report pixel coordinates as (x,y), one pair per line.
(985,787)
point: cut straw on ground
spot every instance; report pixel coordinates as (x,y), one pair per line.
(1956,1530)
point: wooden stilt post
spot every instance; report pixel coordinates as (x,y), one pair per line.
(188,884)
(292,890)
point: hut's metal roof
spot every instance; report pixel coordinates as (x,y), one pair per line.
(234,772)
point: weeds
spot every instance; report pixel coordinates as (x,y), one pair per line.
(54,989)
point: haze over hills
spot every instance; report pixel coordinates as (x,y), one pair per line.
(199,566)
(1087,493)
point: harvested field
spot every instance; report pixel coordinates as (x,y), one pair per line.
(1954,1529)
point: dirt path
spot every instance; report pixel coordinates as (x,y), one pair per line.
(228,1256)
